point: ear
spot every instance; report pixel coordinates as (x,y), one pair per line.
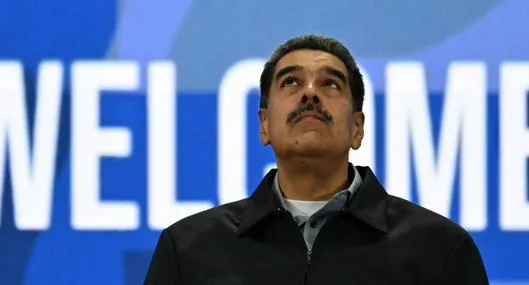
(263,127)
(357,132)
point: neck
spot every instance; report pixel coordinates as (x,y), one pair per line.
(312,179)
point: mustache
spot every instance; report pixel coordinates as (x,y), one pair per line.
(310,107)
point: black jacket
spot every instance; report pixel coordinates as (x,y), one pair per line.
(377,239)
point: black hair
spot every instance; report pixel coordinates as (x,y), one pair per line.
(321,43)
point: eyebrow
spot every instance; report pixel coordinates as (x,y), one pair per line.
(282,72)
(329,70)
(336,73)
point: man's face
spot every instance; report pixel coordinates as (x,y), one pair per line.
(310,107)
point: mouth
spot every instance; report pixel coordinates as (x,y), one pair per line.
(310,116)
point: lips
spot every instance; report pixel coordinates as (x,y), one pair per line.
(311,115)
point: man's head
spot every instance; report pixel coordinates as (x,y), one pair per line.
(311,98)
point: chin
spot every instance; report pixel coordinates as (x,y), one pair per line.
(310,153)
(310,148)
(309,144)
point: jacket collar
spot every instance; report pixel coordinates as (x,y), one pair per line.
(369,204)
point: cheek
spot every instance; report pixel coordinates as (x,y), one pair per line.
(343,121)
(276,127)
(277,117)
(341,113)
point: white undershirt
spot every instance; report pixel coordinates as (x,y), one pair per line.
(303,208)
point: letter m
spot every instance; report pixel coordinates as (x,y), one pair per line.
(462,131)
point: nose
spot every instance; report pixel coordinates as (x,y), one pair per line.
(311,98)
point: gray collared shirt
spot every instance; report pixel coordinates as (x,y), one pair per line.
(310,225)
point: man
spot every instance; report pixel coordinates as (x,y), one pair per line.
(316,219)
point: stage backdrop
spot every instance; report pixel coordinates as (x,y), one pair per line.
(118,118)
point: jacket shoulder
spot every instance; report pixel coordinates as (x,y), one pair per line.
(422,221)
(222,218)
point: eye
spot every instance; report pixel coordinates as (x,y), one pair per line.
(331,84)
(289,81)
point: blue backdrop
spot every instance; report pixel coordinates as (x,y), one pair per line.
(118,118)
